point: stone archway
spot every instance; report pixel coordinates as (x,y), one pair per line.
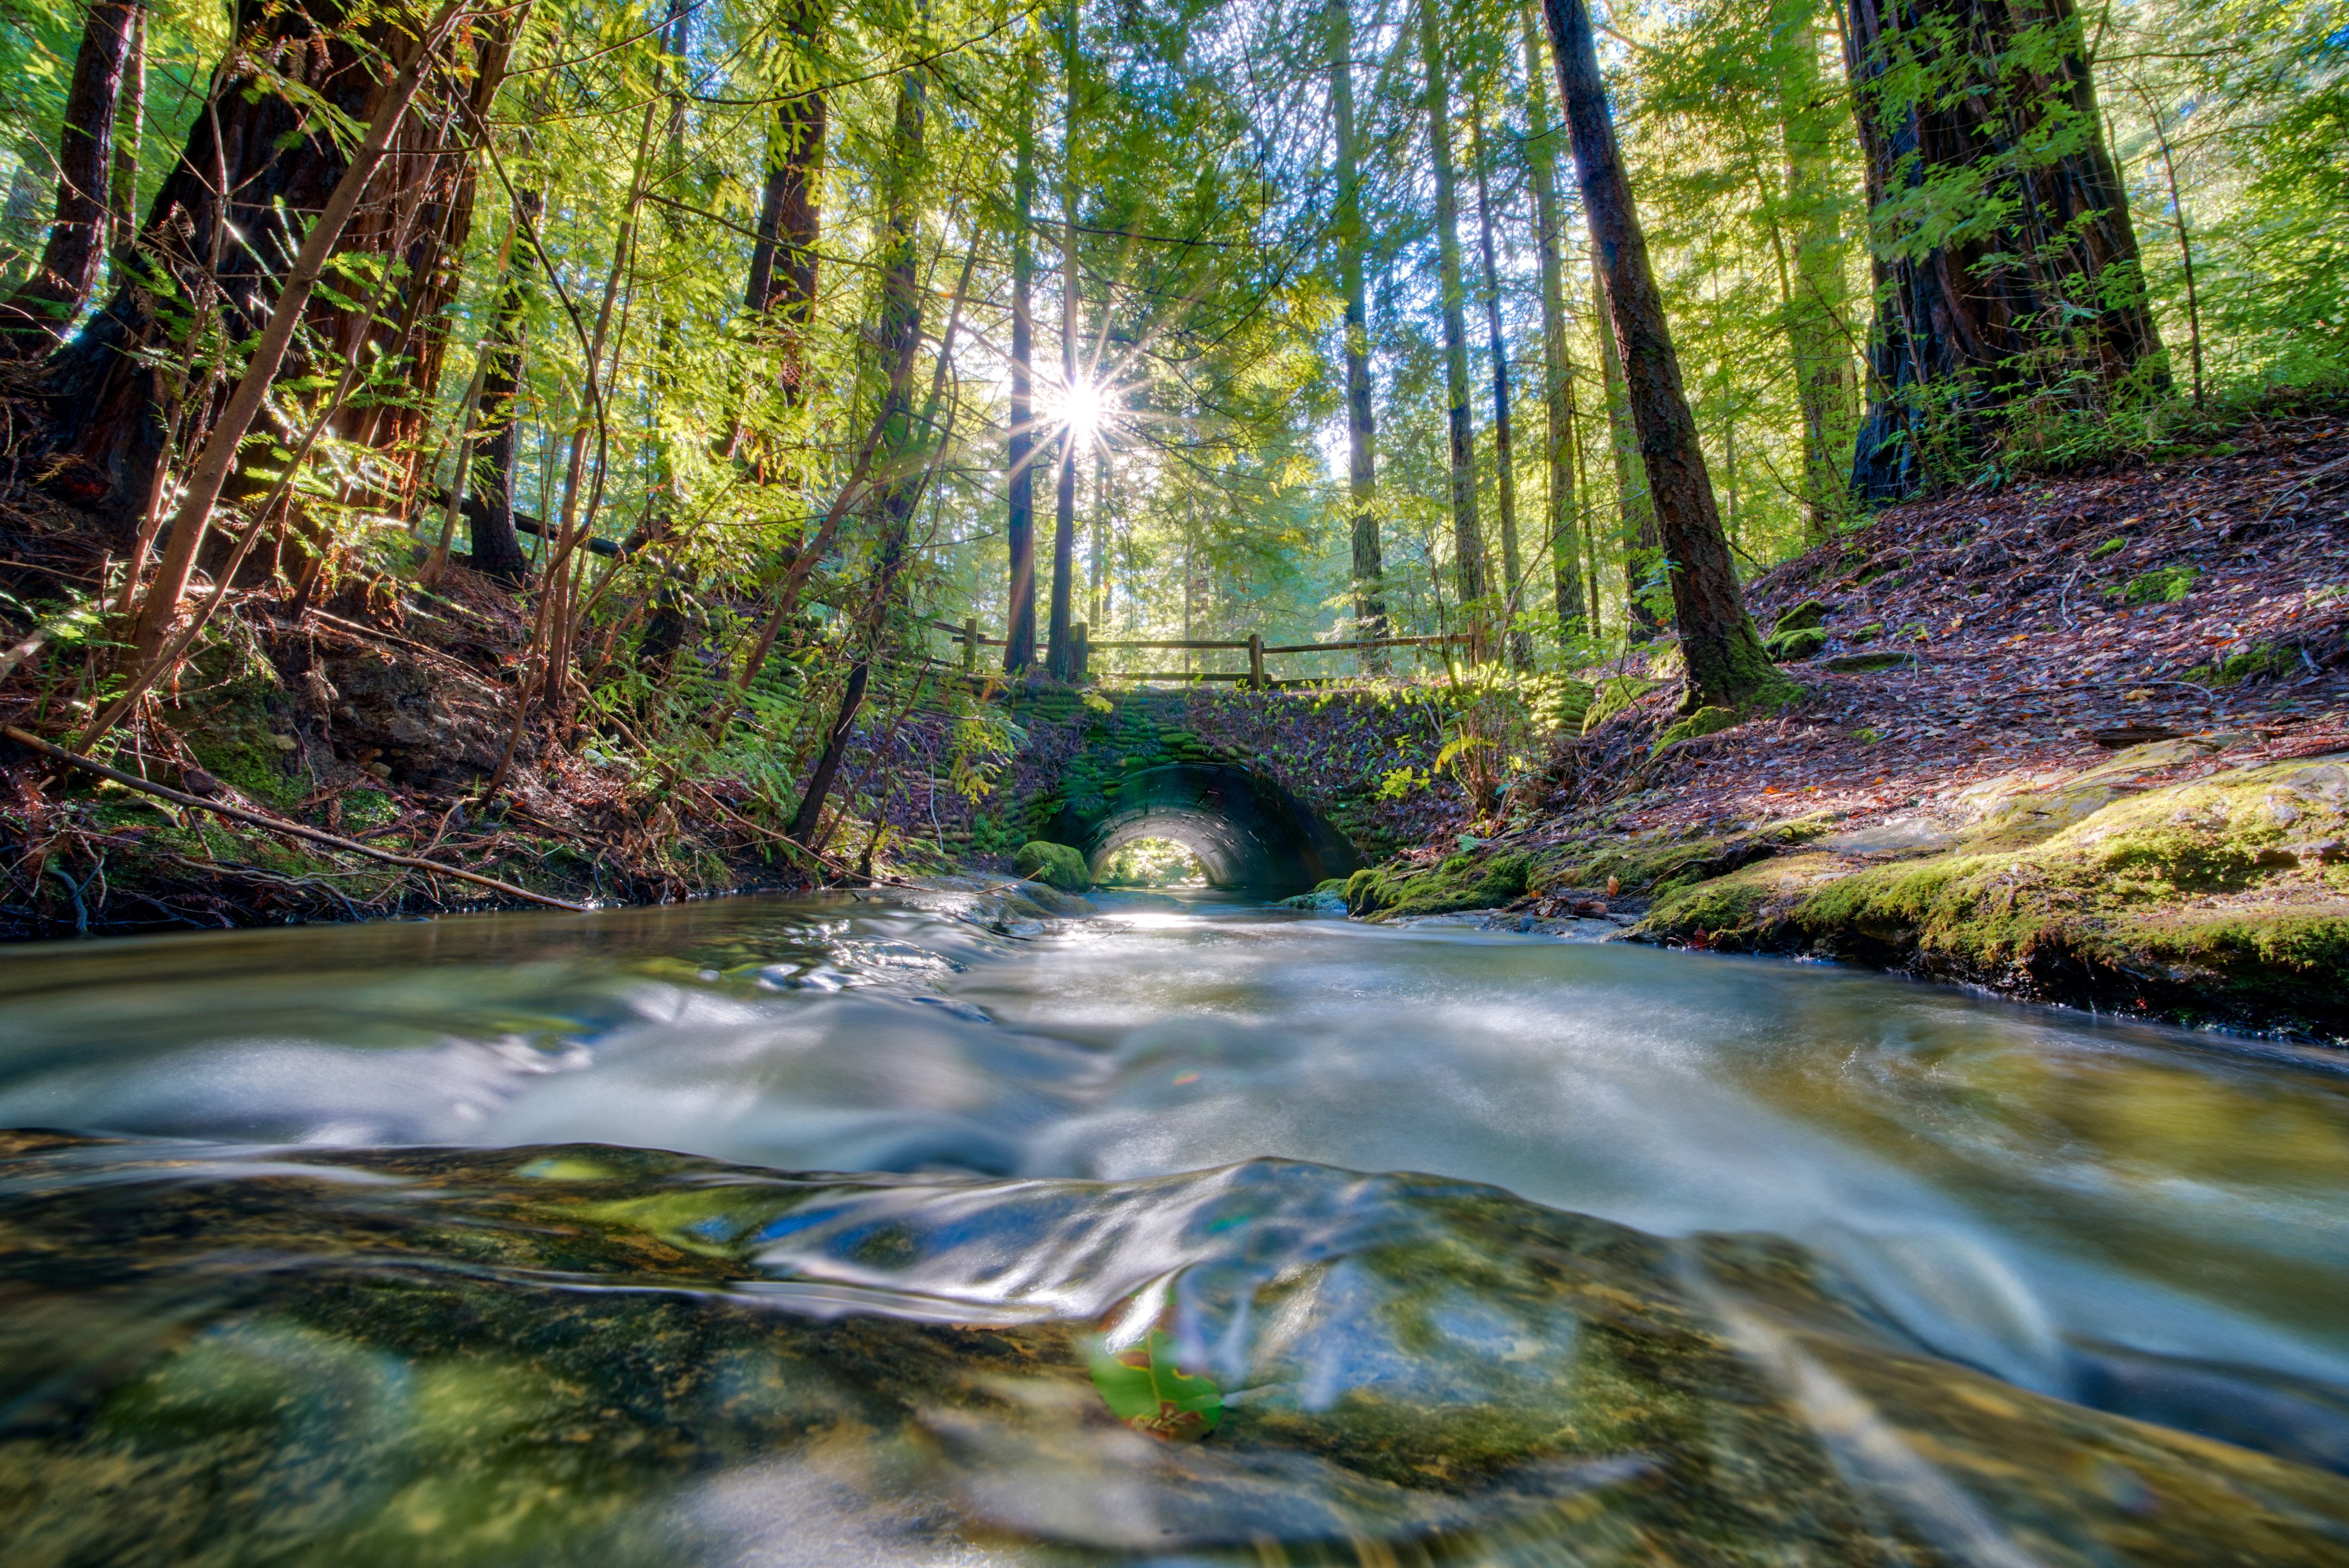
(1247,830)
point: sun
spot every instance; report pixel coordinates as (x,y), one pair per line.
(1081,407)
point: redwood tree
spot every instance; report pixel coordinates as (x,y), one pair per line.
(206,263)
(1726,665)
(40,311)
(2006,269)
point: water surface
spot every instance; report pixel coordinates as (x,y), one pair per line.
(770,1232)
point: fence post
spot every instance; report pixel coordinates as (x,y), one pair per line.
(969,643)
(1256,660)
(1079,650)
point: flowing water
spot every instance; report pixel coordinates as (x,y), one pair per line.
(904,1230)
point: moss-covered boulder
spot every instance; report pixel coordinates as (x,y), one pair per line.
(1465,881)
(1800,643)
(1054,865)
(1808,615)
(2221,900)
(1704,721)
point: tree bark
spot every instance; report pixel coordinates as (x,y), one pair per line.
(497,549)
(1520,642)
(1635,512)
(898,337)
(1818,312)
(279,165)
(39,313)
(1726,665)
(1361,457)
(1467,538)
(1972,109)
(1020,475)
(1558,364)
(1057,660)
(129,124)
(782,290)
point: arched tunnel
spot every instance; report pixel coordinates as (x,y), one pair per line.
(1247,831)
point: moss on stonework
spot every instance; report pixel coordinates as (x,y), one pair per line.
(2222,899)
(1463,882)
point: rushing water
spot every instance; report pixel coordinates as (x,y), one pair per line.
(778,1232)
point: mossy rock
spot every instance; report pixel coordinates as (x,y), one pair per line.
(1807,616)
(1463,882)
(1787,646)
(1054,865)
(1855,664)
(1704,721)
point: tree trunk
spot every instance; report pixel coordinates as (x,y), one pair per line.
(1726,665)
(1520,642)
(1557,365)
(1064,513)
(1972,111)
(1361,465)
(782,291)
(1468,538)
(1819,312)
(1020,476)
(279,165)
(898,337)
(129,123)
(497,550)
(40,311)
(1635,512)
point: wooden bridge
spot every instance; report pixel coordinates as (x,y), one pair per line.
(1255,677)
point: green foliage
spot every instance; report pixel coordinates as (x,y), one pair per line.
(2109,547)
(2162,585)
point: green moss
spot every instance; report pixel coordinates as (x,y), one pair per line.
(2259,659)
(1054,865)
(2162,584)
(1704,721)
(1808,615)
(1612,695)
(2109,547)
(2213,900)
(1463,882)
(1786,647)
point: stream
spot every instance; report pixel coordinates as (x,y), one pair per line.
(909,1228)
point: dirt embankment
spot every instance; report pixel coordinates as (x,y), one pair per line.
(2086,741)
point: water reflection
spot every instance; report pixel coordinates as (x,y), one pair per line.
(1858,1252)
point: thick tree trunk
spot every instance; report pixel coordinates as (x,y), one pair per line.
(1818,309)
(1057,658)
(1726,664)
(1974,110)
(1505,471)
(1558,364)
(1467,538)
(40,311)
(1020,476)
(1362,458)
(782,291)
(279,164)
(902,435)
(497,549)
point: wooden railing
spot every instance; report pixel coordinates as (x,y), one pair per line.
(1082,647)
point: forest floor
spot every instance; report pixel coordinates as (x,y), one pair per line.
(2079,741)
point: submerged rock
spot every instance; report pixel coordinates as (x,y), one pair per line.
(591,1354)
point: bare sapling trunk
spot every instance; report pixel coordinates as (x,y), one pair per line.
(1362,451)
(902,435)
(1057,660)
(1558,364)
(1818,311)
(1020,475)
(1726,665)
(1520,642)
(1467,537)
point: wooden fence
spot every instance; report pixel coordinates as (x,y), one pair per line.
(1082,647)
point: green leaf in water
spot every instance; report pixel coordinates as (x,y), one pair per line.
(1144,1389)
